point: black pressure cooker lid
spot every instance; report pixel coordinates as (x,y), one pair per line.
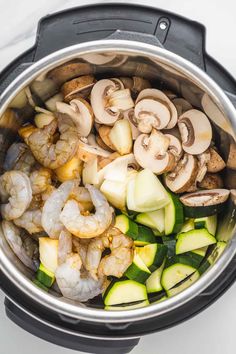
(177,34)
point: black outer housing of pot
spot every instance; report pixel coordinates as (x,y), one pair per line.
(181,36)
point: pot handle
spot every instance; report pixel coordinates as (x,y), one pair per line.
(136,36)
(60,337)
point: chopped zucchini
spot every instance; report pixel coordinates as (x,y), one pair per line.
(154,219)
(201,251)
(153,283)
(138,271)
(174,274)
(45,276)
(170,242)
(184,284)
(145,236)
(208,222)
(123,292)
(217,251)
(174,215)
(187,226)
(149,193)
(127,226)
(48,251)
(152,255)
(193,239)
(40,285)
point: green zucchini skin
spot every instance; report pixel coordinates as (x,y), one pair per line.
(202,211)
(174,215)
(124,291)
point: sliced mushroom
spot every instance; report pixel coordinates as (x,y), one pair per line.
(120,100)
(205,197)
(203,160)
(211,181)
(181,105)
(99,96)
(68,71)
(151,151)
(81,113)
(175,146)
(104,132)
(129,115)
(78,87)
(166,113)
(101,143)
(184,174)
(231,161)
(196,132)
(215,163)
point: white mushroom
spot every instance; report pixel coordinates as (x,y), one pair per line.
(78,87)
(163,114)
(81,113)
(108,102)
(196,131)
(129,115)
(89,149)
(184,174)
(151,151)
(175,146)
(215,163)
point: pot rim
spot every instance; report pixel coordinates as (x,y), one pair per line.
(199,77)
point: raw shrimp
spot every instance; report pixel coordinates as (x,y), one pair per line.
(117,261)
(24,247)
(30,221)
(19,157)
(53,207)
(64,246)
(54,155)
(83,198)
(76,284)
(40,180)
(16,189)
(91,225)
(81,246)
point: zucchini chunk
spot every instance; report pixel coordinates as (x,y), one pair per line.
(123,292)
(183,285)
(127,226)
(208,222)
(138,270)
(174,215)
(153,283)
(152,255)
(45,276)
(193,239)
(130,306)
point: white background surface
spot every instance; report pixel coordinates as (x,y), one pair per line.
(212,331)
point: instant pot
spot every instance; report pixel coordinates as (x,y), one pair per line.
(125,40)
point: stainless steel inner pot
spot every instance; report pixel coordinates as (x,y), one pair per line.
(165,70)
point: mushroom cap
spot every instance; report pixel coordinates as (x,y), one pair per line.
(196,131)
(99,97)
(175,146)
(160,96)
(80,112)
(151,114)
(151,151)
(68,71)
(211,181)
(184,175)
(205,197)
(77,85)
(215,163)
